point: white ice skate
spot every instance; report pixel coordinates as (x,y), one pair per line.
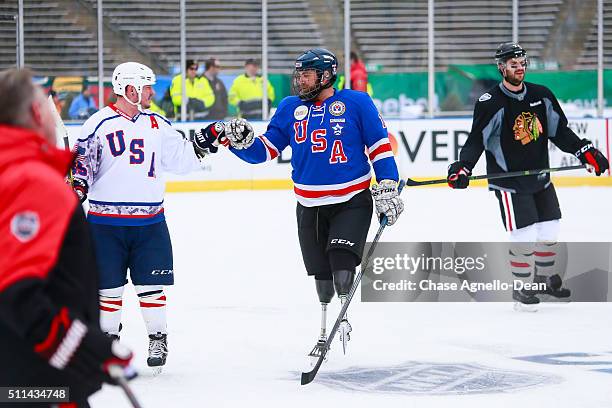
(344,331)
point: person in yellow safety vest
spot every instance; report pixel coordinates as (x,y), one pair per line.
(198,90)
(247,90)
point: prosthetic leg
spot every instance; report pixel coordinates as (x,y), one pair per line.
(325,291)
(343,281)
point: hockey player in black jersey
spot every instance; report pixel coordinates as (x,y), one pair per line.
(513,122)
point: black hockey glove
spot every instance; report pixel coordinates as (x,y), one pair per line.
(592,157)
(207,140)
(74,346)
(81,188)
(458,174)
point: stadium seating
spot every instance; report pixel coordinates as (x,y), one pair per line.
(467,32)
(229,30)
(588,56)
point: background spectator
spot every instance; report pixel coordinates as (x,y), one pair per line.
(219,109)
(247,90)
(83,105)
(199,93)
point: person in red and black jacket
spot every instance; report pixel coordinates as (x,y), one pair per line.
(49,327)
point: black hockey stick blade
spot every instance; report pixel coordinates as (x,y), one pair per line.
(309,376)
(413,183)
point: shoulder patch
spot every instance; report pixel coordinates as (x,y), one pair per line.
(484,97)
(25,226)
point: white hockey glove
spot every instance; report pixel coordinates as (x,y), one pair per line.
(240,133)
(387,200)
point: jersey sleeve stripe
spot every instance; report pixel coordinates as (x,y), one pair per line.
(271,149)
(384,140)
(382,156)
(380,150)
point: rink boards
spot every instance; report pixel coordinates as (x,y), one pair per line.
(423,149)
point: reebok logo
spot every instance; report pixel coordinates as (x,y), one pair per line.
(532,104)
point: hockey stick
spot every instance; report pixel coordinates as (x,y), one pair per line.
(118,374)
(309,376)
(59,122)
(412,183)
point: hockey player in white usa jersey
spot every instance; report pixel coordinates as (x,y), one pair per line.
(121,153)
(329,131)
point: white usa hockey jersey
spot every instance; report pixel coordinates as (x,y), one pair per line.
(122,160)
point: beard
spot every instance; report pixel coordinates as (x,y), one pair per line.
(514,79)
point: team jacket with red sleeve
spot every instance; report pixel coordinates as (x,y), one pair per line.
(334,145)
(48,281)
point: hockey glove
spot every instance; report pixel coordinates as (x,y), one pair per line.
(387,200)
(593,158)
(81,188)
(240,133)
(72,345)
(458,174)
(207,140)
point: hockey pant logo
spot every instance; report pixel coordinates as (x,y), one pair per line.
(342,242)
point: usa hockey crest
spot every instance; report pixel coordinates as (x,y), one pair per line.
(527,127)
(337,108)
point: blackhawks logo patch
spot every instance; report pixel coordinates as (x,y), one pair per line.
(527,127)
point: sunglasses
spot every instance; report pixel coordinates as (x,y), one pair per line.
(193,68)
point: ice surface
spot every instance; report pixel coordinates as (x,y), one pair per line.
(243,315)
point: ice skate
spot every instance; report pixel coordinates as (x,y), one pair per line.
(344,331)
(158,351)
(553,286)
(525,301)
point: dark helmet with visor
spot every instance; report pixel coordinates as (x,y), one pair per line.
(324,63)
(509,50)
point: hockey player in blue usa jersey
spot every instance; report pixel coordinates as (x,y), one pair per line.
(336,136)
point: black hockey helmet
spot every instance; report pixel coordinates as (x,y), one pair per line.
(508,50)
(324,63)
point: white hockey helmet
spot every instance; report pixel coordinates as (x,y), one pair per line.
(132,73)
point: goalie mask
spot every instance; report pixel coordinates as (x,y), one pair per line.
(134,74)
(324,66)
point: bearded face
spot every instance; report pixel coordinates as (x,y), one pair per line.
(513,70)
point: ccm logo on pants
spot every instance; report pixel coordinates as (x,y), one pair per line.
(342,241)
(162,272)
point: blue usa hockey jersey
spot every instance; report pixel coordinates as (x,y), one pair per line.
(332,143)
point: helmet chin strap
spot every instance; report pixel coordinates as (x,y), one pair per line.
(137,104)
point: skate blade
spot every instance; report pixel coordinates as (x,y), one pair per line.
(156,370)
(521,307)
(344,338)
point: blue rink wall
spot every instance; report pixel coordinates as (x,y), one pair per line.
(423,149)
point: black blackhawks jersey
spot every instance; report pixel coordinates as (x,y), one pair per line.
(514,129)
